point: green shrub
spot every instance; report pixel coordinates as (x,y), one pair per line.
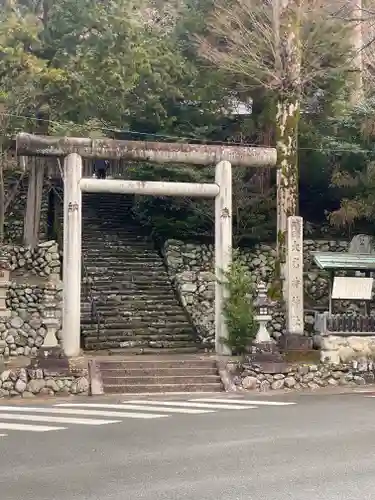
(238,307)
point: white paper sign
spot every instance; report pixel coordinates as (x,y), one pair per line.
(352,288)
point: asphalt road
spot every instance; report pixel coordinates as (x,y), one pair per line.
(322,448)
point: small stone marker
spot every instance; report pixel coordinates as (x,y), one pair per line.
(294,298)
(352,288)
(362,243)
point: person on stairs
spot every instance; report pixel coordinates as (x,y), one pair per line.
(100,168)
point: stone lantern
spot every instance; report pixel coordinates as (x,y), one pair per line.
(49,316)
(263,316)
(4,285)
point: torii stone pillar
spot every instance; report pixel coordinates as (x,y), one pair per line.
(223,249)
(72,255)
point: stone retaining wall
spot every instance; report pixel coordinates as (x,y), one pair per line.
(43,261)
(27,382)
(24,331)
(341,349)
(297,377)
(191,269)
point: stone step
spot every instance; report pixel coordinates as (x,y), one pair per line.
(119,267)
(110,320)
(108,234)
(117,348)
(120,261)
(174,315)
(149,289)
(126,310)
(129,322)
(128,331)
(126,242)
(106,255)
(162,364)
(113,248)
(129,274)
(136,279)
(145,389)
(182,346)
(126,278)
(141,337)
(146,330)
(132,304)
(132,294)
(160,380)
(157,372)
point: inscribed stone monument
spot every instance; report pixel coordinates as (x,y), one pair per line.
(294,299)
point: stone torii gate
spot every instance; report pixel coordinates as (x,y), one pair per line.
(73,149)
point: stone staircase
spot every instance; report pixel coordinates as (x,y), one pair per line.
(128,302)
(159,374)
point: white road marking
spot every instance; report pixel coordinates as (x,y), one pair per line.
(244,402)
(30,428)
(116,414)
(56,420)
(127,406)
(189,404)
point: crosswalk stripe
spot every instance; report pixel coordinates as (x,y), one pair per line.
(116,414)
(127,406)
(25,427)
(190,404)
(244,402)
(57,420)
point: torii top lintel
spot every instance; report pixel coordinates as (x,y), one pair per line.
(156,152)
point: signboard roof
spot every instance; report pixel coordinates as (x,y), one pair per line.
(344,260)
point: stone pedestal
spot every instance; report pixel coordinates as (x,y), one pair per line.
(295,342)
(263,334)
(51,360)
(265,356)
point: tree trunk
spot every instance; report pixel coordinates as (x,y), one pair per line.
(287,31)
(287,117)
(34,203)
(356,94)
(2,200)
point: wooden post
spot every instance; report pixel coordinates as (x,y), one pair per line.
(223,249)
(72,255)
(34,203)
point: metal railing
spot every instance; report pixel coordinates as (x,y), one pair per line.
(94,313)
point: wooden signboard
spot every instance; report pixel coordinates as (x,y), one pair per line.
(352,288)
